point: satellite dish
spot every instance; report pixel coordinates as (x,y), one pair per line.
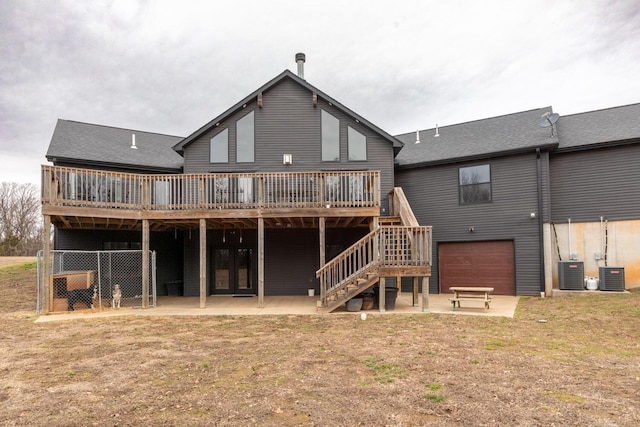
(548,119)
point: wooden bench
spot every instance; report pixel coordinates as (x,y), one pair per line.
(470,293)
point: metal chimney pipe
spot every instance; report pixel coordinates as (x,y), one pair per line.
(300,58)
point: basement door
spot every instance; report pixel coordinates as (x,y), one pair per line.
(234,270)
(490,264)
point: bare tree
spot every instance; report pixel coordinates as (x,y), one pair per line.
(20,228)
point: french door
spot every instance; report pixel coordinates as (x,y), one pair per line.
(234,270)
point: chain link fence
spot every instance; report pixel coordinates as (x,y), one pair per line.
(97,280)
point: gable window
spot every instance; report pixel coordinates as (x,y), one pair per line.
(330,138)
(475,184)
(357,145)
(245,145)
(219,148)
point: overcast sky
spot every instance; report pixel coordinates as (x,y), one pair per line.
(171,66)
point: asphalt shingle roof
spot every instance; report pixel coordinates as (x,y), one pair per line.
(597,127)
(86,143)
(510,133)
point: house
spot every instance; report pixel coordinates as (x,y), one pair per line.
(509,197)
(289,190)
(281,193)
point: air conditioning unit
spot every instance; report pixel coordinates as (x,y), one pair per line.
(571,275)
(612,279)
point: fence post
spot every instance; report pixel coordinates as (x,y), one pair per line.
(99,284)
(45,288)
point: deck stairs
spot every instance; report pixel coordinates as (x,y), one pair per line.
(398,246)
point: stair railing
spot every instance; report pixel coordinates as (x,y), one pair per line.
(386,247)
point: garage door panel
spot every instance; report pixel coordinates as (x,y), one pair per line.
(489,264)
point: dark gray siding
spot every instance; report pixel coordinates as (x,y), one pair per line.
(192,263)
(592,183)
(433,195)
(168,248)
(291,258)
(289,124)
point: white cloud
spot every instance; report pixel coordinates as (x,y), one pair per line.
(169,66)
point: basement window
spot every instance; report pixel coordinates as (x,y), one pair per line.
(474,184)
(219,148)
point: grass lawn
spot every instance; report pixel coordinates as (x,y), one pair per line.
(581,366)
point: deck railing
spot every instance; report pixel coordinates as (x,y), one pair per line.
(386,247)
(63,186)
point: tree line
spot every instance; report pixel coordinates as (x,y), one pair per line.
(20,219)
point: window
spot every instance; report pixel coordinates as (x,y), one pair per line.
(475,184)
(357,145)
(330,138)
(220,148)
(245,144)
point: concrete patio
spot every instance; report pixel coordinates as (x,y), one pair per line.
(288,305)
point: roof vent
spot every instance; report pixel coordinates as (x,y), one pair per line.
(418,136)
(437,134)
(133,141)
(300,59)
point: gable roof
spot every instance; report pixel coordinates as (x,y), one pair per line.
(90,144)
(286,74)
(502,135)
(609,126)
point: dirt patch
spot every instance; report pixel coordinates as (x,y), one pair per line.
(14,260)
(580,367)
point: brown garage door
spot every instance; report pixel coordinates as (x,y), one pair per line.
(478,264)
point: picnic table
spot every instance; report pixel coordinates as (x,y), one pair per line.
(470,293)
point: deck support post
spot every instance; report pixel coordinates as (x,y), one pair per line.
(425,294)
(145,263)
(45,292)
(203,262)
(260,262)
(322,222)
(381,295)
(416,284)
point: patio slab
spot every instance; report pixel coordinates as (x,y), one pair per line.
(504,306)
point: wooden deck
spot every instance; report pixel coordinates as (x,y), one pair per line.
(85,198)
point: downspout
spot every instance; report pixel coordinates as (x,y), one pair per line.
(540,220)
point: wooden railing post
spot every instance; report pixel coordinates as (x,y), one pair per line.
(261,189)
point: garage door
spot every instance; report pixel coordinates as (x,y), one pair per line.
(478,264)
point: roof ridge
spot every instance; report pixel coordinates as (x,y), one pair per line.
(603,109)
(478,120)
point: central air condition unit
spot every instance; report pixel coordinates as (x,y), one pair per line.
(571,275)
(612,279)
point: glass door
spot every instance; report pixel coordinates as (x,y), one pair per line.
(234,270)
